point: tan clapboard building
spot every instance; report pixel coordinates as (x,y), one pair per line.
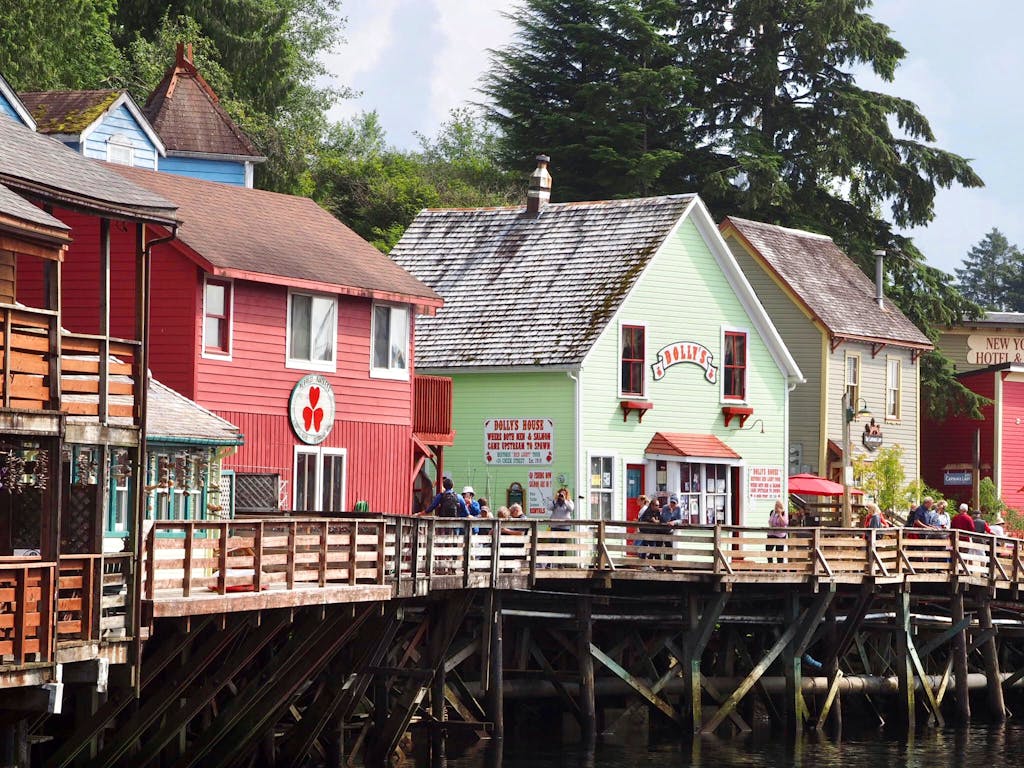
(847,338)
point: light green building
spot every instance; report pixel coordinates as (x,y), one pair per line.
(611,347)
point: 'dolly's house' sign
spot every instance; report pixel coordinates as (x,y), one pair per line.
(685,352)
(311,409)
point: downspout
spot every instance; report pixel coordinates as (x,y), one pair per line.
(578,440)
(140,469)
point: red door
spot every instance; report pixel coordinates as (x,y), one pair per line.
(634,487)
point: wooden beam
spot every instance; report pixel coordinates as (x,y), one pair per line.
(584,658)
(567,698)
(904,675)
(990,653)
(958,652)
(635,683)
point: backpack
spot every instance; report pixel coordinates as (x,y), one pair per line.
(449,505)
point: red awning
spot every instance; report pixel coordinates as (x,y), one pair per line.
(689,446)
(812,485)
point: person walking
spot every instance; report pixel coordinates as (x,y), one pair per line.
(778,521)
(942,515)
(962,520)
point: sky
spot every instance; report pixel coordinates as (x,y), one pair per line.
(415,60)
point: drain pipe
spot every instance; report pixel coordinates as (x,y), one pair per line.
(577,437)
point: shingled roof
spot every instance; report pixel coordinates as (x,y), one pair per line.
(172,417)
(269,237)
(67,112)
(525,290)
(830,285)
(15,207)
(36,165)
(187,114)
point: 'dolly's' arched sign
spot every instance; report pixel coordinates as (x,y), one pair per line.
(685,352)
(311,409)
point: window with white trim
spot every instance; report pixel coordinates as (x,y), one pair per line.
(312,331)
(602,487)
(217,303)
(734,368)
(893,387)
(390,353)
(319,479)
(853,381)
(120,150)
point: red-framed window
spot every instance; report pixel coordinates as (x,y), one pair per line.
(633,343)
(217,317)
(735,373)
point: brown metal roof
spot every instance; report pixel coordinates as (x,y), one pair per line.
(67,111)
(188,117)
(38,166)
(831,286)
(255,234)
(526,290)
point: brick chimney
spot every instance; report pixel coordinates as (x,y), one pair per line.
(539,193)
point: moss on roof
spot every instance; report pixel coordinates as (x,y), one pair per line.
(68,112)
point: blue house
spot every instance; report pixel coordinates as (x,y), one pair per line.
(104,124)
(201,138)
(12,107)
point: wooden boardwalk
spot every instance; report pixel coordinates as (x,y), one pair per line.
(212,567)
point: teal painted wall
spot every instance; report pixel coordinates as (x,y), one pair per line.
(479,397)
(683,296)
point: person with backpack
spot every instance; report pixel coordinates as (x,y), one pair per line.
(448,503)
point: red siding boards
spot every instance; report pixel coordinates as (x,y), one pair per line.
(379,457)
(1012,459)
(175,306)
(952,441)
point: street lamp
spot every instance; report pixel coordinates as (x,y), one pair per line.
(849,414)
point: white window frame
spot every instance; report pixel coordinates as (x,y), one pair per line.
(608,491)
(854,402)
(230,301)
(400,374)
(643,367)
(726,329)
(320,452)
(893,389)
(120,143)
(329,366)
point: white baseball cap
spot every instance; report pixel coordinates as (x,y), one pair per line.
(468,489)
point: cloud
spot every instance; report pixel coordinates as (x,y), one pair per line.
(469,30)
(369,30)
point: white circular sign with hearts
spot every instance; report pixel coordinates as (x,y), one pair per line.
(311,409)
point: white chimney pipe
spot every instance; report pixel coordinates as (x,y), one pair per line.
(539,193)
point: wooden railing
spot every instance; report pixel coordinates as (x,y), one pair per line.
(26,611)
(94,372)
(411,553)
(93,598)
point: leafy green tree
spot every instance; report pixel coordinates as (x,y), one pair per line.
(50,44)
(764,119)
(881,475)
(378,190)
(988,269)
(596,85)
(270,76)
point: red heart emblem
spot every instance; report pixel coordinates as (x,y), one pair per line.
(307,417)
(314,396)
(318,417)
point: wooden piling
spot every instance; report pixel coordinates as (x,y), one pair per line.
(905,710)
(990,653)
(587,703)
(495,697)
(959,652)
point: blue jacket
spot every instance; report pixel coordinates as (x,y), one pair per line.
(463,511)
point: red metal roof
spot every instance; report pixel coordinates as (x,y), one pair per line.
(690,446)
(264,236)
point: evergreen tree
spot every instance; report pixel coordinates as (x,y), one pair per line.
(596,85)
(989,269)
(766,121)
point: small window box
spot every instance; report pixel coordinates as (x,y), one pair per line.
(737,412)
(640,406)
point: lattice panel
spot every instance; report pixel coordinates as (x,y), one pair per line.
(26,519)
(78,526)
(255,494)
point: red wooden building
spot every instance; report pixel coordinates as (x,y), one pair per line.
(988,354)
(278,318)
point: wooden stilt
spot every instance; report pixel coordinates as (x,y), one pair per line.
(792,669)
(696,641)
(495,697)
(832,709)
(904,675)
(588,705)
(438,706)
(990,653)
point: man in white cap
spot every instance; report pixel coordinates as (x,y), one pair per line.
(467,496)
